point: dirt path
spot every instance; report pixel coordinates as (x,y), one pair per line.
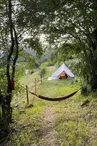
(49,133)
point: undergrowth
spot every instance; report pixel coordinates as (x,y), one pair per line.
(76,125)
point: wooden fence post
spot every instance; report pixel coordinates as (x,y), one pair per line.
(41,78)
(34,91)
(35,85)
(27,95)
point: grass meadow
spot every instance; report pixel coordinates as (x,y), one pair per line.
(76,125)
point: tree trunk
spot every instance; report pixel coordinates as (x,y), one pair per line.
(6,112)
(12,52)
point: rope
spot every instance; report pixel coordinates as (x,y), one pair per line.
(55,99)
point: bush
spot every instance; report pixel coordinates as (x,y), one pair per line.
(84,90)
(42,72)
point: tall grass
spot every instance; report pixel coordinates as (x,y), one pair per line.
(75,125)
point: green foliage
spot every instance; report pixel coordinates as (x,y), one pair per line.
(42,72)
(62,22)
(44,67)
(50,63)
(81,28)
(27,127)
(3,80)
(44,64)
(73,135)
(35,45)
(66,52)
(75,125)
(47,63)
(88,69)
(55,19)
(26,61)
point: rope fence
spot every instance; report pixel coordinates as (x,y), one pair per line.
(43,97)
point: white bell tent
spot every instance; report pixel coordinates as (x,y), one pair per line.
(62,73)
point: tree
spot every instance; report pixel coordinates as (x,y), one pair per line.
(75,21)
(17,19)
(42,73)
(12,31)
(12,48)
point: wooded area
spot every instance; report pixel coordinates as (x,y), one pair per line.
(70,29)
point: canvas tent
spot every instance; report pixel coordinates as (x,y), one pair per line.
(62,73)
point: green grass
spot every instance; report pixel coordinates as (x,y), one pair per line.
(27,127)
(75,125)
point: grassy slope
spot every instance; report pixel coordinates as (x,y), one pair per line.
(75,125)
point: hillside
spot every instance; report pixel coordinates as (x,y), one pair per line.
(63,123)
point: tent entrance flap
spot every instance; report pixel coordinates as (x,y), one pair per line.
(63,76)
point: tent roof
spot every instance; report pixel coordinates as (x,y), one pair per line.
(62,68)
